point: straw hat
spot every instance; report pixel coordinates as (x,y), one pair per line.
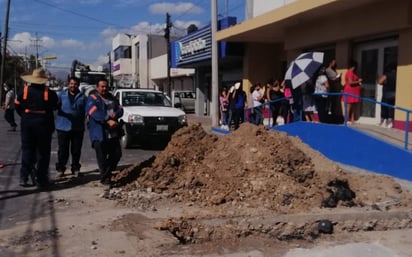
(37,77)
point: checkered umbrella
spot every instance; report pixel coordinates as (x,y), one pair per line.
(303,68)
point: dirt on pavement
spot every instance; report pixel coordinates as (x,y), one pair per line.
(258,182)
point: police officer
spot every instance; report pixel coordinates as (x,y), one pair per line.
(35,104)
(103,111)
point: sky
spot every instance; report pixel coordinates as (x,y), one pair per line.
(84,29)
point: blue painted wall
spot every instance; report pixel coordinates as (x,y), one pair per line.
(352,147)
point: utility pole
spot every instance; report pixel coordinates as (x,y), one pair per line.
(226,8)
(3,55)
(110,69)
(214,109)
(36,45)
(167,36)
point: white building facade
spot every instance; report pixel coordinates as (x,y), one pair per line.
(141,62)
(257,7)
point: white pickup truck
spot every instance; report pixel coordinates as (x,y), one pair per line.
(184,99)
(148,114)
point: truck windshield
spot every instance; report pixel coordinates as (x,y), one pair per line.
(145,99)
(90,78)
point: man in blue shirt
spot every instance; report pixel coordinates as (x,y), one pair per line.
(70,127)
(104,110)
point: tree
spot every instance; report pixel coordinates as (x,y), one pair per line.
(192,28)
(14,67)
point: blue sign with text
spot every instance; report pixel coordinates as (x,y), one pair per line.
(197,46)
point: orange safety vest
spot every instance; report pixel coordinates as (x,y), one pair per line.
(25,94)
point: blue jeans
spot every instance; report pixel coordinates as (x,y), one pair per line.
(224,117)
(69,142)
(258,115)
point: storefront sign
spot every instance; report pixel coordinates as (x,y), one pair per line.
(116,67)
(192,47)
(197,46)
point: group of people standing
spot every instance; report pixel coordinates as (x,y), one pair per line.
(37,105)
(329,80)
(300,103)
(329,107)
(234,101)
(232,104)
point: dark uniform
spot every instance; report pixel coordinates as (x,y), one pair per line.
(35,104)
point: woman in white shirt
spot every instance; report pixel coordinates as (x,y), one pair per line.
(321,101)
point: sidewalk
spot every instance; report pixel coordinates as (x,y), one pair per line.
(206,121)
(393,136)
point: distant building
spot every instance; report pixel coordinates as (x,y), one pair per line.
(141,62)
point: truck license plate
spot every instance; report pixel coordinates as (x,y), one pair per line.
(162,128)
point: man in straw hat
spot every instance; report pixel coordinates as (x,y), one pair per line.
(35,104)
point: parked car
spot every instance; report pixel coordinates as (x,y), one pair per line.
(148,115)
(184,99)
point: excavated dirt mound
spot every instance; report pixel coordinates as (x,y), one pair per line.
(250,172)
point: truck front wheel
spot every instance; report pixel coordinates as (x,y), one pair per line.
(126,141)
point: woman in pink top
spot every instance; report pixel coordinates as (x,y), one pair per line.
(224,105)
(353,87)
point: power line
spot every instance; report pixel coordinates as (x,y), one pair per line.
(12,50)
(77,14)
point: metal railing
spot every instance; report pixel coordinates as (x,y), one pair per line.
(299,116)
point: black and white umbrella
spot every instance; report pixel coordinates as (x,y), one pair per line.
(303,68)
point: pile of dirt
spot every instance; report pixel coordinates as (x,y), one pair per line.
(259,183)
(256,169)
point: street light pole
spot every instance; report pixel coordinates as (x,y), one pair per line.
(214,109)
(46,58)
(3,55)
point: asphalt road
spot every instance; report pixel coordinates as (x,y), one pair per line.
(20,204)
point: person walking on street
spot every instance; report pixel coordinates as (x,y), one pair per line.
(9,107)
(388,81)
(36,104)
(70,127)
(103,111)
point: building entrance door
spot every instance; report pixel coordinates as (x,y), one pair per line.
(372,58)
